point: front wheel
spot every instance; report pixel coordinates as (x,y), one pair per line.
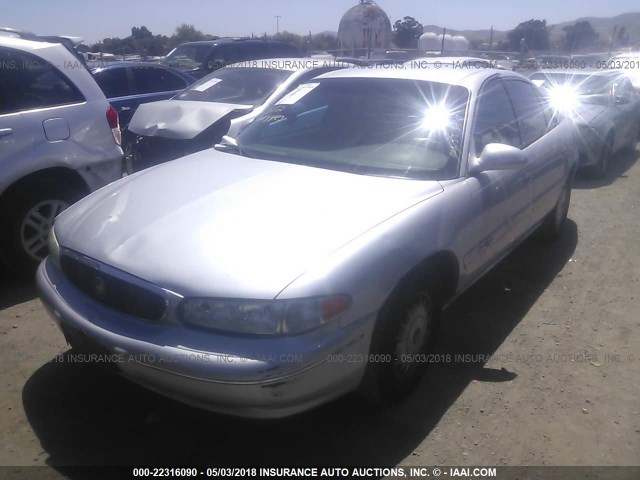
(404,335)
(599,170)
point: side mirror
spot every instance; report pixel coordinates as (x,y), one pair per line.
(622,99)
(497,156)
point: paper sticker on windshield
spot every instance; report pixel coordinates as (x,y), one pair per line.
(298,94)
(538,83)
(207,85)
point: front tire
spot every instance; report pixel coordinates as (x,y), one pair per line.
(26,222)
(404,335)
(599,170)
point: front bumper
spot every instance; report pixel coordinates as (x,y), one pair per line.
(259,378)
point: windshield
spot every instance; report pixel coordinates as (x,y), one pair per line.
(592,89)
(389,127)
(247,86)
(187,56)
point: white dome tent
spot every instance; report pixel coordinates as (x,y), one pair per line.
(363,28)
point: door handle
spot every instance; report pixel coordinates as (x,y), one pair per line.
(5,131)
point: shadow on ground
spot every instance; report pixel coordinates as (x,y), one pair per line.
(83,416)
(15,289)
(618,168)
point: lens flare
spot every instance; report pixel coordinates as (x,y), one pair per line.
(437,118)
(563,98)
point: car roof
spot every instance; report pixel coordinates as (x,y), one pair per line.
(587,72)
(469,78)
(230,40)
(23,44)
(452,60)
(125,64)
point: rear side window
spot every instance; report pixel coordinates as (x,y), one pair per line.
(529,108)
(153,79)
(495,120)
(113,82)
(28,82)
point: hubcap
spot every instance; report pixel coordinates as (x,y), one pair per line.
(412,336)
(36,225)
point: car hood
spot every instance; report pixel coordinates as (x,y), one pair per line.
(179,119)
(216,224)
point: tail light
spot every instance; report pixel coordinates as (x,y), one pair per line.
(114,124)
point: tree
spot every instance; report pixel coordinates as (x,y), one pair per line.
(530,35)
(407,32)
(324,42)
(187,33)
(579,36)
(141,33)
(620,37)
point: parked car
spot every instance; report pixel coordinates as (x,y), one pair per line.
(605,110)
(201,58)
(221,103)
(453,62)
(59,140)
(127,85)
(629,63)
(317,260)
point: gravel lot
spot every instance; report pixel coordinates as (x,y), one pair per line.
(551,376)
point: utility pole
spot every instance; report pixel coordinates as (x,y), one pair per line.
(444,33)
(491,39)
(278,17)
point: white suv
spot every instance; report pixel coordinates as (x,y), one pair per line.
(59,141)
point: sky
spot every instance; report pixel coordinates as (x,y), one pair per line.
(94,20)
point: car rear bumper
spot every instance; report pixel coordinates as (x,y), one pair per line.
(305,373)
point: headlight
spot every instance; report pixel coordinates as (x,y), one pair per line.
(563,98)
(263,317)
(54,246)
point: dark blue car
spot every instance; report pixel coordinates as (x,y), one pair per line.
(130,84)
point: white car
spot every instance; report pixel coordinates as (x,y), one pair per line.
(223,102)
(59,141)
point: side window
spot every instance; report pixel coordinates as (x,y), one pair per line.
(529,108)
(223,55)
(495,120)
(252,51)
(113,82)
(28,82)
(152,80)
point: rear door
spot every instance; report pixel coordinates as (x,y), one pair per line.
(36,102)
(117,85)
(625,110)
(545,148)
(501,198)
(152,83)
(16,140)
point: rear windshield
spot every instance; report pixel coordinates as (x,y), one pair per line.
(188,56)
(247,86)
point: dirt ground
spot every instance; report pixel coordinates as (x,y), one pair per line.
(552,375)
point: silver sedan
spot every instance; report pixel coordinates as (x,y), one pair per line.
(314,260)
(604,108)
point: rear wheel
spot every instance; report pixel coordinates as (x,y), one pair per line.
(404,334)
(26,222)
